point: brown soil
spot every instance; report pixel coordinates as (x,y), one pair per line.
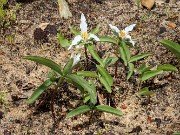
(19,77)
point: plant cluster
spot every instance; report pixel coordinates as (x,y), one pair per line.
(7,15)
(83,49)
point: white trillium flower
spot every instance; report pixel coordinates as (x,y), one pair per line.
(76,58)
(124,34)
(84,34)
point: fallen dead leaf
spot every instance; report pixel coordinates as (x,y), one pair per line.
(43,25)
(148,3)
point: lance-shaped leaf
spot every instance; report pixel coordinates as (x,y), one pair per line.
(148,74)
(47,62)
(105,74)
(62,41)
(110,61)
(131,70)
(108,39)
(87,74)
(96,29)
(145,92)
(74,31)
(80,110)
(94,54)
(172,46)
(105,83)
(68,67)
(39,91)
(108,109)
(138,57)
(87,87)
(167,67)
(143,68)
(124,52)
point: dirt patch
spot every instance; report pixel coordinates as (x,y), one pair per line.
(19,77)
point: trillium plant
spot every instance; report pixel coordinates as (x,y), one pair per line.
(89,82)
(84,36)
(124,34)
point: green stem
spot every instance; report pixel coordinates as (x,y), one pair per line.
(139,85)
(116,64)
(86,55)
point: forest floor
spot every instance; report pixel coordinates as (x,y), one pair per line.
(19,77)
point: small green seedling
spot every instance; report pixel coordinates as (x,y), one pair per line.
(145,72)
(2,11)
(2,97)
(145,92)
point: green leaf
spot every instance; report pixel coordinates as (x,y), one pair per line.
(2,14)
(138,57)
(167,67)
(96,29)
(108,39)
(78,111)
(3,2)
(79,87)
(105,74)
(110,61)
(87,74)
(108,109)
(87,87)
(131,70)
(74,31)
(105,83)
(124,52)
(39,91)
(94,54)
(49,63)
(143,68)
(62,41)
(145,92)
(148,74)
(172,46)
(52,75)
(68,67)
(86,99)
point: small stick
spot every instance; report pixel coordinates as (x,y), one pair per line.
(52,105)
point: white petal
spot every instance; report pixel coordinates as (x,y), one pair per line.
(83,24)
(69,48)
(94,37)
(114,28)
(132,42)
(130,27)
(130,39)
(76,58)
(75,41)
